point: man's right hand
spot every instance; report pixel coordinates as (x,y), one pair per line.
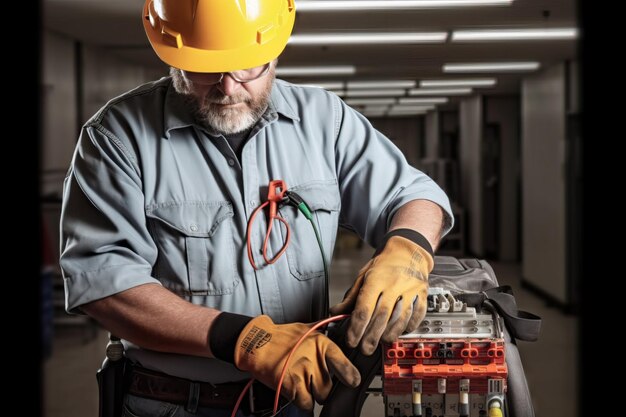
(262,349)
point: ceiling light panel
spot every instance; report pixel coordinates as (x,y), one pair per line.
(376,93)
(491,67)
(313,71)
(409,111)
(337,5)
(468,82)
(404,107)
(513,34)
(325,85)
(382,84)
(439,91)
(367,38)
(433,100)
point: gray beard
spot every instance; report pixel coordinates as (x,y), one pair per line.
(211,115)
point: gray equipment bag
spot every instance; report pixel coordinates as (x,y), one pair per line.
(472,281)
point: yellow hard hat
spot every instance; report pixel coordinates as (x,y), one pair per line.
(218,35)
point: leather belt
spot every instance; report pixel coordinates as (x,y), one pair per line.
(155,385)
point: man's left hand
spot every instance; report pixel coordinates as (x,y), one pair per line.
(388,296)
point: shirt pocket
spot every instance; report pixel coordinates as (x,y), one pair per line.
(196,248)
(303,253)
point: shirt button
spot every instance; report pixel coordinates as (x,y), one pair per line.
(252,203)
(231,162)
(194,228)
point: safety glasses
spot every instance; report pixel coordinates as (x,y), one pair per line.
(241,76)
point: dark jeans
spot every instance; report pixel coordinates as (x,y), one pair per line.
(143,407)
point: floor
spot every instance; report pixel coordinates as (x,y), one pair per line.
(550,364)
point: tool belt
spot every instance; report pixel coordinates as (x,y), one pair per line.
(158,386)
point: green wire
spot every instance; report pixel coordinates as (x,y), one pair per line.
(326,275)
(304,209)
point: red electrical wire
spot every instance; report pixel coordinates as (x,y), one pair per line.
(267,237)
(243,393)
(286,365)
(270,223)
(249,233)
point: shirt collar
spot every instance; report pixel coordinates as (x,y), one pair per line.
(177,115)
(175,111)
(280,104)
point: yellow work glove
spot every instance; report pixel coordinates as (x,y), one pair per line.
(389,294)
(262,348)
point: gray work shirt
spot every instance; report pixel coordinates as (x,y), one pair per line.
(153,197)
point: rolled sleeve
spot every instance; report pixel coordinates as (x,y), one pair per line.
(105,244)
(374,173)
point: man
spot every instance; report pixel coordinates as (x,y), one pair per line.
(161,193)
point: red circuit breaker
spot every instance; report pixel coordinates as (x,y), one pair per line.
(452,366)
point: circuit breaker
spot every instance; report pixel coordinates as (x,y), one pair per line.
(452,366)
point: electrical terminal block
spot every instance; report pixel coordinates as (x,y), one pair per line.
(453,365)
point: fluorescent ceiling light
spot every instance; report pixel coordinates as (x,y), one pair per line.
(367,38)
(338,85)
(375,109)
(306,71)
(470,82)
(376,93)
(401,107)
(433,100)
(514,34)
(336,5)
(370,101)
(439,91)
(408,111)
(382,84)
(492,67)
